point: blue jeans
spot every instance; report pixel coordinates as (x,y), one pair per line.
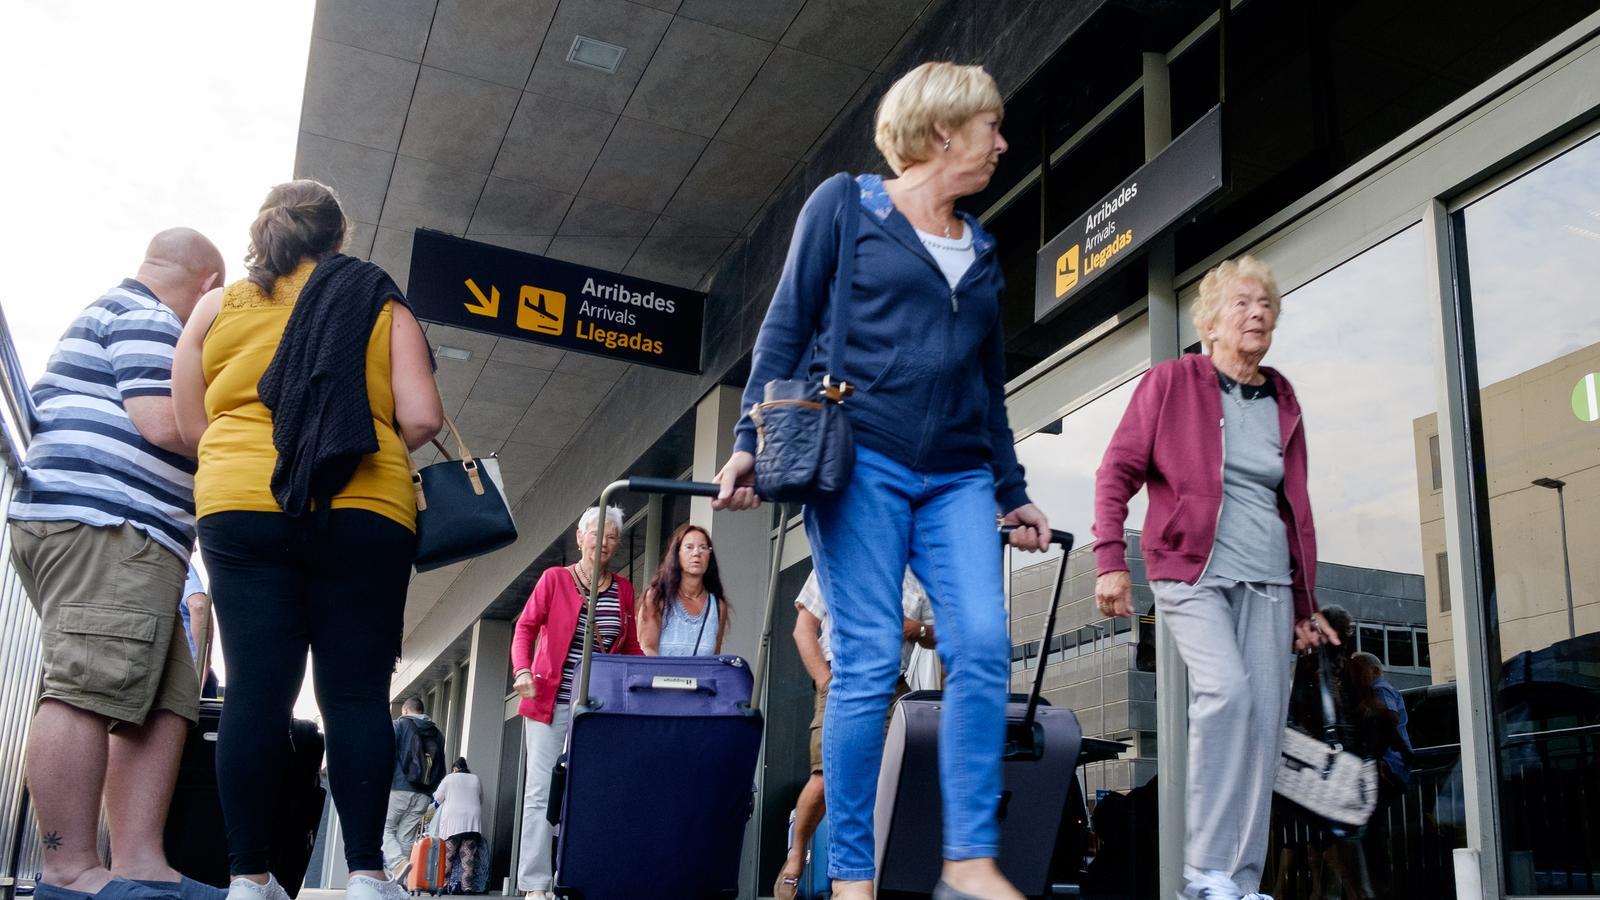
(943,524)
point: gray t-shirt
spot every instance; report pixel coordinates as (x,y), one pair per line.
(1252,543)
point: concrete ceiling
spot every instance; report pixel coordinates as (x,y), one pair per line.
(464,116)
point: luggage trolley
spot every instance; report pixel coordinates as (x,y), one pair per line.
(657,785)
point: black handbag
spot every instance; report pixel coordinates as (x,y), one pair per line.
(804,445)
(461,507)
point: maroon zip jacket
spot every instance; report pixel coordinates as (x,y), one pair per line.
(1170,441)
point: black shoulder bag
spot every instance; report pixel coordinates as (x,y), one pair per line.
(804,446)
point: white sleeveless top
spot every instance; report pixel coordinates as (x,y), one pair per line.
(680,632)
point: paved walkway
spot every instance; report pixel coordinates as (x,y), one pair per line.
(319,894)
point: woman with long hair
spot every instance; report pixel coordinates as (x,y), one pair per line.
(685,611)
(305,385)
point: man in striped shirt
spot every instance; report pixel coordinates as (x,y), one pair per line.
(102,526)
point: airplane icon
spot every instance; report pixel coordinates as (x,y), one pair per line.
(540,310)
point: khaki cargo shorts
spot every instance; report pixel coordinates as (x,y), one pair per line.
(821,707)
(111,638)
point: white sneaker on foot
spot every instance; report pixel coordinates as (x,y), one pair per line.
(244,889)
(364,887)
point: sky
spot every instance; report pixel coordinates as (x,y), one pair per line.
(126,118)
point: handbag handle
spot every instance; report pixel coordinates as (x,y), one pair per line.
(1331,722)
(467,463)
(844,273)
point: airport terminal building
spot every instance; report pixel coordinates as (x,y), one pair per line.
(1423,178)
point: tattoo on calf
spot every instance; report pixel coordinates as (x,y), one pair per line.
(52,841)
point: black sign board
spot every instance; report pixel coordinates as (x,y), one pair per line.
(1165,189)
(513,294)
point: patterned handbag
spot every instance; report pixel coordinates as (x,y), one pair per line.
(1321,776)
(804,445)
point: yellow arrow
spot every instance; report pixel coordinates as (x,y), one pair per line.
(486,306)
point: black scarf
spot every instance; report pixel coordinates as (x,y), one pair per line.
(316,385)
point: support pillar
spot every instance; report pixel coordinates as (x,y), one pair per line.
(1172,687)
(483,709)
(743,546)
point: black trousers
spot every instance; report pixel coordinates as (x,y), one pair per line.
(335,585)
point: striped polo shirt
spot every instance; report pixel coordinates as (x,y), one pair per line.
(87,462)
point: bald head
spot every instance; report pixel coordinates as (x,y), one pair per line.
(180,265)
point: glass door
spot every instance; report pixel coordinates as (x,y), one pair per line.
(1528,273)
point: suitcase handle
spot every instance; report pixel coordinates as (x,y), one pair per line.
(669,683)
(642,485)
(1063,539)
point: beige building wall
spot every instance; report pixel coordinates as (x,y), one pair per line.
(1530,431)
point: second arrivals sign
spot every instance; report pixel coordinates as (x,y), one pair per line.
(469,284)
(1165,189)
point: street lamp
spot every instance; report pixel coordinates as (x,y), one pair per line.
(1557,485)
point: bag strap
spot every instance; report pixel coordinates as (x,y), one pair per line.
(578,586)
(1331,722)
(836,389)
(468,463)
(705,617)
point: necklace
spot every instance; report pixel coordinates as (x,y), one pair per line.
(700,598)
(586,579)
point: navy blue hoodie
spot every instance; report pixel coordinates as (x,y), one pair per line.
(928,362)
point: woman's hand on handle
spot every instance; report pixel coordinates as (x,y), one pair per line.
(1113,593)
(1033,530)
(738,485)
(1312,631)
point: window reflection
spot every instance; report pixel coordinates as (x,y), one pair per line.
(1532,253)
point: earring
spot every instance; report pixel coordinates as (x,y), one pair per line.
(947,143)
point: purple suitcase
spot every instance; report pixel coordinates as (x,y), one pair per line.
(658,780)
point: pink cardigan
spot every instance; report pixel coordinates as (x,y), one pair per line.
(1170,441)
(545,630)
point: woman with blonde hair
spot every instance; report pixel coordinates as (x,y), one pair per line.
(305,386)
(924,350)
(1219,442)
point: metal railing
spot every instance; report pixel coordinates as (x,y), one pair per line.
(19,640)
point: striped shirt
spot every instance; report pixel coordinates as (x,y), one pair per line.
(88,463)
(608,612)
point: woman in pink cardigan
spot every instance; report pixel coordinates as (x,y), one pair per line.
(1231,555)
(546,650)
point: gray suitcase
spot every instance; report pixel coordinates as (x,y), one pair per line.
(1038,775)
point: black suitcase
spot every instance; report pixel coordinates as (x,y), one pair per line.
(195,838)
(1038,776)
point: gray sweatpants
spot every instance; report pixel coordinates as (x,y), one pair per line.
(1237,641)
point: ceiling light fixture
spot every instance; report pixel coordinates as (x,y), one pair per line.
(451,352)
(596,54)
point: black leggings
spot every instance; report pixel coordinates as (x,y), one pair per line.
(333,584)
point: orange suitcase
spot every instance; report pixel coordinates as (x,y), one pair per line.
(427,866)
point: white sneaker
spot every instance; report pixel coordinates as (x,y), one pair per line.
(364,887)
(245,889)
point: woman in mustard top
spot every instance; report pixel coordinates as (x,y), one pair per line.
(310,549)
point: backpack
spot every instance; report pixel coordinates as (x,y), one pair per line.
(422,762)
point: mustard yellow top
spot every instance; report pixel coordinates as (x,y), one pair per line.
(236,452)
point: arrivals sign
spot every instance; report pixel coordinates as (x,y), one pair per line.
(1165,189)
(478,286)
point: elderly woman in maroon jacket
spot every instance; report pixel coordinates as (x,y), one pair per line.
(545,652)
(1231,555)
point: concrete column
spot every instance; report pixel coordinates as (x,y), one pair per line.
(1172,687)
(743,545)
(654,538)
(452,728)
(483,708)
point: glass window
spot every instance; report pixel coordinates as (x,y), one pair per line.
(1433,462)
(1401,653)
(1371,640)
(1422,650)
(1530,254)
(1441,569)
